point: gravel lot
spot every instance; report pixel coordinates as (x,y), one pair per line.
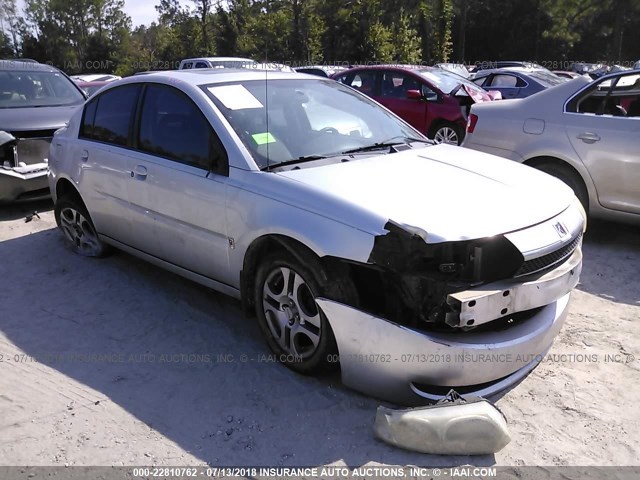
(162,388)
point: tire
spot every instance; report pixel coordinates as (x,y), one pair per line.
(293,325)
(570,178)
(447,133)
(77,228)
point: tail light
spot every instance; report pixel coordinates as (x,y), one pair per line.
(471,123)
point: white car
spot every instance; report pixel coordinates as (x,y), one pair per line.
(216,62)
(585,132)
(354,240)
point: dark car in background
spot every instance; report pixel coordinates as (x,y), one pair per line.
(432,100)
(517,82)
(35,101)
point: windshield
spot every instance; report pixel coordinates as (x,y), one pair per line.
(546,78)
(37,89)
(285,120)
(447,81)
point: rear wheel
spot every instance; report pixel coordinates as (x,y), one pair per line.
(569,177)
(447,133)
(295,328)
(78,230)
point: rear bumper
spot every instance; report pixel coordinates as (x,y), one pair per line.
(411,367)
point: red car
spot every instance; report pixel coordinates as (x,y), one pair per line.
(433,100)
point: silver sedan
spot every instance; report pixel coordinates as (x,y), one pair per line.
(586,133)
(352,238)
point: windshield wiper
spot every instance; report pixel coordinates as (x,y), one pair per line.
(386,144)
(307,158)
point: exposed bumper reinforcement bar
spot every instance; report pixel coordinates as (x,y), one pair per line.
(495,300)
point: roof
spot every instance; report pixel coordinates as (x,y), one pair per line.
(219,59)
(204,76)
(396,66)
(520,70)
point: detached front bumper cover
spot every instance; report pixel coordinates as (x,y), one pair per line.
(394,362)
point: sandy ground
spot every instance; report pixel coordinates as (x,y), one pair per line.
(139,403)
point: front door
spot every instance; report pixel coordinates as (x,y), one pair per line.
(178,187)
(393,95)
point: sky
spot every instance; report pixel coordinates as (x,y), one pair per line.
(142,12)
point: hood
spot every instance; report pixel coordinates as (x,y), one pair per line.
(35,118)
(451,193)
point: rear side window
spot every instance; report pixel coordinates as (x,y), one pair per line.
(363,81)
(173,127)
(201,65)
(108,118)
(507,81)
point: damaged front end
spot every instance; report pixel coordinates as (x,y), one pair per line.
(23,165)
(473,315)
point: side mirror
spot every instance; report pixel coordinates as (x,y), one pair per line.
(414,94)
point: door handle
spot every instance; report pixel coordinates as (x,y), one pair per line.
(84,156)
(589,137)
(139,173)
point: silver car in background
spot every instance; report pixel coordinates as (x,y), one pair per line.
(585,132)
(35,100)
(355,241)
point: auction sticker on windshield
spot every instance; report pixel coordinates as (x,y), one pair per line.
(235,97)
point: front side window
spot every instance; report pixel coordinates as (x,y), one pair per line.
(173,127)
(108,118)
(396,85)
(293,119)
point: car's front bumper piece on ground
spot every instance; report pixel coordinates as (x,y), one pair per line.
(411,367)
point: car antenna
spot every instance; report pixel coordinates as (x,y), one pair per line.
(266,85)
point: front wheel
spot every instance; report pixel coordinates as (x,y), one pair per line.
(448,134)
(78,230)
(291,321)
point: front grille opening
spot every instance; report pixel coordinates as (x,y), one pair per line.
(550,260)
(48,133)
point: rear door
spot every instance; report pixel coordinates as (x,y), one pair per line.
(178,189)
(393,95)
(105,165)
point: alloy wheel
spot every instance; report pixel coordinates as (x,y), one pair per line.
(79,231)
(446,135)
(291,312)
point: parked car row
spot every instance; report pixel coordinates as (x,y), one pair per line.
(322,204)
